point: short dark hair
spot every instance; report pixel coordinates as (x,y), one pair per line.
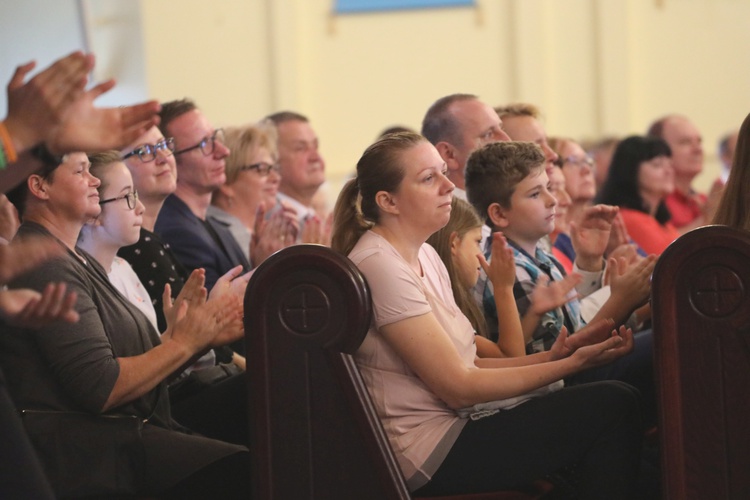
(621,187)
(286,116)
(439,124)
(19,194)
(171,110)
(494,170)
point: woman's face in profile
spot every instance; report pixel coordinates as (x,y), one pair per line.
(72,190)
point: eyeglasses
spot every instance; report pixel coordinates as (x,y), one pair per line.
(263,168)
(580,162)
(131,199)
(147,152)
(207,144)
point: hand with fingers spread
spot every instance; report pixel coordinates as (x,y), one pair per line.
(626,255)
(631,285)
(29,309)
(191,289)
(501,270)
(618,235)
(590,236)
(616,346)
(232,283)
(548,296)
(317,231)
(270,235)
(53,108)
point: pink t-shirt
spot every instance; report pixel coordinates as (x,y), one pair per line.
(420,426)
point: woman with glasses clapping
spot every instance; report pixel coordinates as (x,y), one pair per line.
(246,202)
(93,394)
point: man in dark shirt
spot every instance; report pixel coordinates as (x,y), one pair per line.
(197,240)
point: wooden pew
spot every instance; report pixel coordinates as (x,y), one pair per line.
(701,322)
(314,432)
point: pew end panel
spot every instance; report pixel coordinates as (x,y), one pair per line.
(701,322)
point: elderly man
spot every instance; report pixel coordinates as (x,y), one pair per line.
(689,208)
(301,165)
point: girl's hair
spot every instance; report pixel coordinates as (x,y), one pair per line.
(99,163)
(734,207)
(241,140)
(463,219)
(621,186)
(379,169)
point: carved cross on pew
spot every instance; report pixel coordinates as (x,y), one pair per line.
(305,309)
(717,292)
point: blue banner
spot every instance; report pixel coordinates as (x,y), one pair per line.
(346,6)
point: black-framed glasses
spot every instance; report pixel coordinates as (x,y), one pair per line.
(148,152)
(130,198)
(207,144)
(262,168)
(578,161)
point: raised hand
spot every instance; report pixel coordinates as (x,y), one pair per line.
(174,311)
(271,235)
(631,284)
(590,235)
(317,231)
(53,107)
(232,283)
(548,296)
(501,270)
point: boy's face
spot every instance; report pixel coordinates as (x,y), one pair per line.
(531,215)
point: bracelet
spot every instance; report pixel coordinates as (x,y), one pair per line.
(6,144)
(41,152)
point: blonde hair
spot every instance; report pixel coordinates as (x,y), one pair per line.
(246,139)
(463,219)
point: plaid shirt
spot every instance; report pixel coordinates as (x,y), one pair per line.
(528,270)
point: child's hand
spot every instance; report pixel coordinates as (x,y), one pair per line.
(631,284)
(548,296)
(501,270)
(626,255)
(590,236)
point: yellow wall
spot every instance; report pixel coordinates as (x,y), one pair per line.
(594,66)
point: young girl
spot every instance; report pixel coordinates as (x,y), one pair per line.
(419,357)
(458,245)
(217,408)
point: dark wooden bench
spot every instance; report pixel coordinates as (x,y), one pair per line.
(314,432)
(701,322)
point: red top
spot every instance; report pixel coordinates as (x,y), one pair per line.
(646,231)
(684,208)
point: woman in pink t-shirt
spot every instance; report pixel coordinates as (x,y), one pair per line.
(419,357)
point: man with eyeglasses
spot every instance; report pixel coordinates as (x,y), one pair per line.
(197,240)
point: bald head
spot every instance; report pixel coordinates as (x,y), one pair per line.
(685,141)
(458,125)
